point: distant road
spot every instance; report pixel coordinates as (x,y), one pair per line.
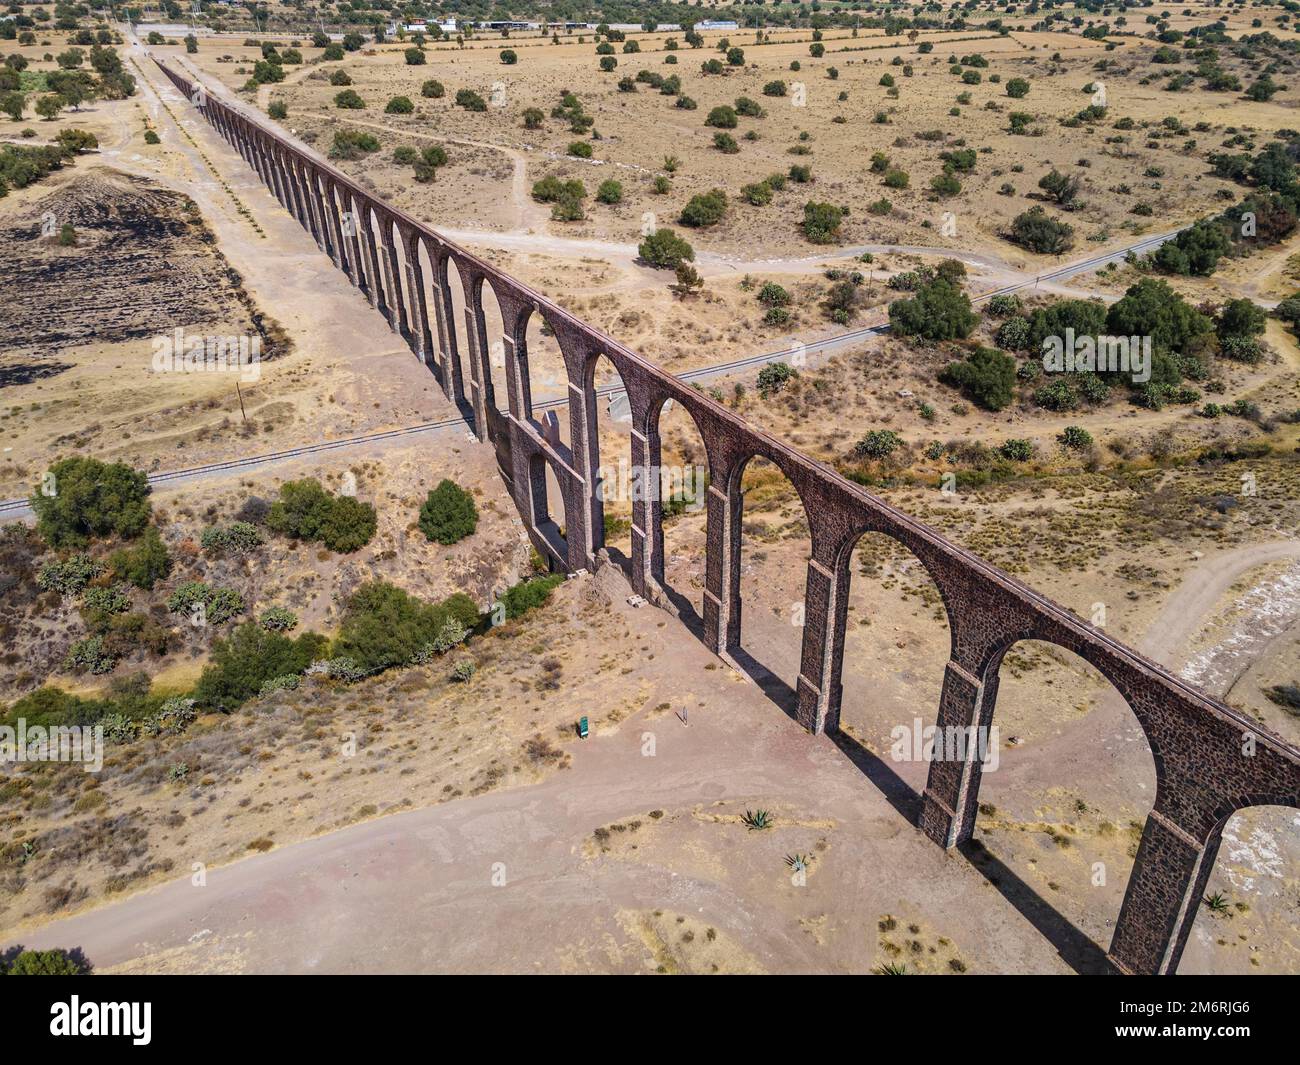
(18,508)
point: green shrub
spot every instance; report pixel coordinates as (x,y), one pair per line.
(383,626)
(1016,450)
(524,596)
(70,575)
(45,963)
(349,100)
(938,311)
(773,377)
(91,499)
(278,619)
(239,537)
(448,515)
(821,222)
(704,209)
(240,665)
(1075,438)
(399,105)
(470,100)
(432,89)
(878,444)
(988,376)
(306,511)
(144,563)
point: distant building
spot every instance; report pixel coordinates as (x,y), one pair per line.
(717,24)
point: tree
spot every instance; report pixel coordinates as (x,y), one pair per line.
(415,57)
(773,377)
(49,106)
(399,105)
(665,249)
(1241,318)
(191,43)
(987,375)
(508,57)
(349,100)
(1017,88)
(688,281)
(448,515)
(90,499)
(1151,308)
(938,311)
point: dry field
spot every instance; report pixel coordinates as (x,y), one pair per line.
(1134,532)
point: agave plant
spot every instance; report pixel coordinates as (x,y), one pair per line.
(798,862)
(893,968)
(757,819)
(1217,903)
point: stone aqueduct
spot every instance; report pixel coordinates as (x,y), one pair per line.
(1210,761)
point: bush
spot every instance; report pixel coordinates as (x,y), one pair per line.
(91,499)
(524,596)
(306,511)
(399,105)
(1017,88)
(352,143)
(1014,333)
(878,444)
(349,100)
(46,963)
(218,604)
(252,656)
(759,194)
(278,110)
(239,537)
(665,249)
(704,209)
(448,515)
(610,191)
(1075,438)
(470,100)
(580,150)
(278,619)
(1016,450)
(432,89)
(988,376)
(340,78)
(383,626)
(821,222)
(89,656)
(773,295)
(897,179)
(69,576)
(722,117)
(1039,232)
(508,57)
(773,377)
(414,57)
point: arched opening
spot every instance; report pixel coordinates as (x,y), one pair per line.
(495,379)
(1066,789)
(897,643)
(1245,920)
(684,486)
(433,306)
(548,510)
(459,349)
(547,378)
(377,260)
(406,316)
(772,565)
(617,481)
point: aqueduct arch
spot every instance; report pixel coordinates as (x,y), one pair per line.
(1212,760)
